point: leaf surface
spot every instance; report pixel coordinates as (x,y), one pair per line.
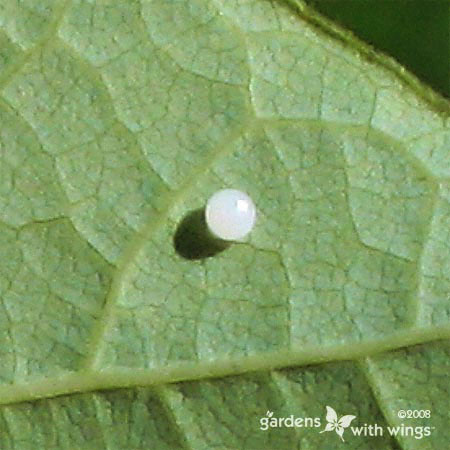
(120,118)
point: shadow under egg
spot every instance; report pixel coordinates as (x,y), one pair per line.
(193,240)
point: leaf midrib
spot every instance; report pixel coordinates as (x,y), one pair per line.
(87,380)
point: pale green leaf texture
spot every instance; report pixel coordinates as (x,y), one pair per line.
(117,119)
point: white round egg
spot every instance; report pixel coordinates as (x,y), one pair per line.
(230,214)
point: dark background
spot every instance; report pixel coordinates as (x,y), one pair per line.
(415,32)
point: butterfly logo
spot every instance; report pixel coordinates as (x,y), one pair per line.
(337,425)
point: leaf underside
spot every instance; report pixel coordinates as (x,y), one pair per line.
(117,119)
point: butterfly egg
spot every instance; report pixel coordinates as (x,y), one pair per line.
(230,214)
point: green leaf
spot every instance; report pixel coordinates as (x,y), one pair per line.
(118,119)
